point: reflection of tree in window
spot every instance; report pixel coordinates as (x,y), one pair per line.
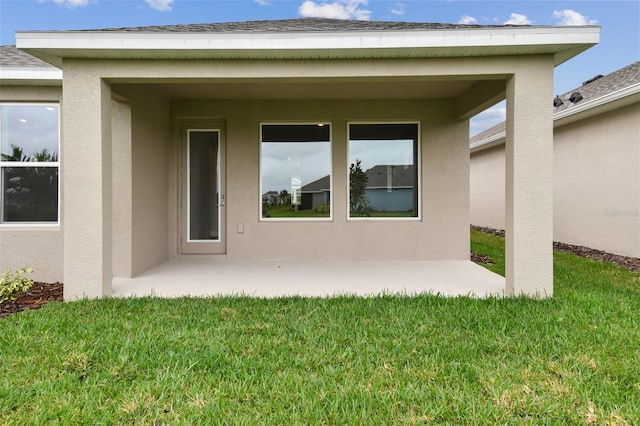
(358,201)
(29,162)
(30,193)
(388,158)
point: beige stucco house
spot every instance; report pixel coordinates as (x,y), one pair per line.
(170,136)
(596,164)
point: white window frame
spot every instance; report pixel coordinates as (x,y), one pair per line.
(418,167)
(56,164)
(298,219)
(219,136)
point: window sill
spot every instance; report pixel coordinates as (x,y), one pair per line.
(29,225)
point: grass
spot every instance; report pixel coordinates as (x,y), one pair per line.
(287,212)
(387,360)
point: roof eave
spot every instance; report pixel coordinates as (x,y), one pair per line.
(30,76)
(609,102)
(562,42)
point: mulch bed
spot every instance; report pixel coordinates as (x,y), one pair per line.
(37,296)
(630,263)
(42,293)
(478,258)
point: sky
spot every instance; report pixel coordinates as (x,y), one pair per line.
(619,40)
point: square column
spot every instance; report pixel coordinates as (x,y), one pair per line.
(529,179)
(86,190)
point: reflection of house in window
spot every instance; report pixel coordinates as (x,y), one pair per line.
(316,193)
(271,198)
(390,187)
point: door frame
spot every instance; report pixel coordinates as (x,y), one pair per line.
(185,245)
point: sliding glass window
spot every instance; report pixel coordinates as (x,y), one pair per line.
(295,171)
(383,170)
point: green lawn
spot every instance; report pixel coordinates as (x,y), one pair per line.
(572,359)
(287,212)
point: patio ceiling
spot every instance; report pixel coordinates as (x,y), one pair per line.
(269,89)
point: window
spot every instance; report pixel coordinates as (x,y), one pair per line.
(295,171)
(383,170)
(29,163)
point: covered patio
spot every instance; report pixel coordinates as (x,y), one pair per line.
(205,276)
(137,101)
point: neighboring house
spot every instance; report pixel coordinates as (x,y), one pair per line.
(173,133)
(596,182)
(316,194)
(392,188)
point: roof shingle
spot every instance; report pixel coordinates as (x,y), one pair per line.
(10,56)
(595,88)
(296,25)
(591,89)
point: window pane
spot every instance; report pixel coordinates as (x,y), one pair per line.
(203,185)
(30,194)
(296,171)
(29,132)
(383,178)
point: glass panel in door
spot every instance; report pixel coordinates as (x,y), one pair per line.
(203,199)
(203,186)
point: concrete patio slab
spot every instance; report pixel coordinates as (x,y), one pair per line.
(221,277)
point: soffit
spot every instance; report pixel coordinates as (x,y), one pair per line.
(562,42)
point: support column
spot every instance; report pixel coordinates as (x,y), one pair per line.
(529,180)
(86,175)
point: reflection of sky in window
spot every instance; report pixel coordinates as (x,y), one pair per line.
(30,127)
(283,160)
(381,152)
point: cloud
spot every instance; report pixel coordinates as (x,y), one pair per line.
(339,9)
(468,20)
(572,18)
(397,9)
(71,4)
(263,2)
(161,5)
(517,19)
(488,118)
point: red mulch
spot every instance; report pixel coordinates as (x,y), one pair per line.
(34,298)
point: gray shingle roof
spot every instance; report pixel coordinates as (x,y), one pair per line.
(10,56)
(294,25)
(603,85)
(591,89)
(322,184)
(490,132)
(402,176)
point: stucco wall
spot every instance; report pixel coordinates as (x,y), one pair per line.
(444,183)
(121,208)
(141,182)
(487,172)
(150,189)
(596,183)
(29,246)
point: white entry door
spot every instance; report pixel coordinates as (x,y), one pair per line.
(203,200)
